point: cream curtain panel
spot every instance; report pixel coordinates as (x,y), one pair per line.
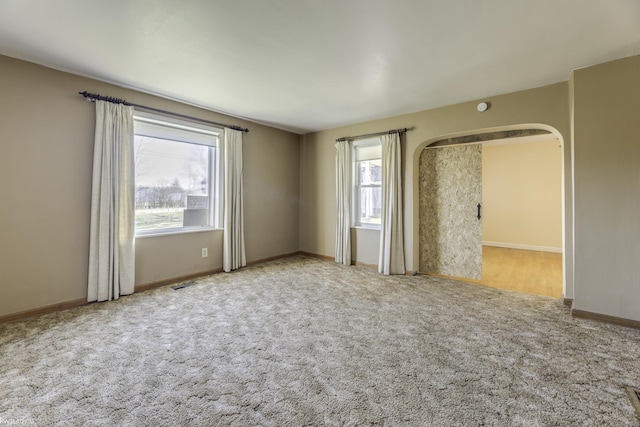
(343,202)
(233,251)
(111,240)
(391,260)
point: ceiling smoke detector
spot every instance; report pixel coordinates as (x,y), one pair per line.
(483,106)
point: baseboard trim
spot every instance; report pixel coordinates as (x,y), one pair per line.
(331,258)
(43,310)
(274,258)
(312,255)
(160,283)
(165,282)
(567,301)
(137,289)
(364,264)
(358,263)
(523,247)
(635,324)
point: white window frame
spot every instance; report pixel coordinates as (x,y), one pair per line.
(182,131)
(355,179)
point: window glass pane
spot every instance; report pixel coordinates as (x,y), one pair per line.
(370,172)
(367,176)
(370,205)
(172,184)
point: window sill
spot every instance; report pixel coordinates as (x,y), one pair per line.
(161,233)
(367,227)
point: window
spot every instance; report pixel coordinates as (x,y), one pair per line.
(367,171)
(176,175)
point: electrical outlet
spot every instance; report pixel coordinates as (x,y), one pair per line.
(205,252)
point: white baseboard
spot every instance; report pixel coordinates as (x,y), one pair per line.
(524,247)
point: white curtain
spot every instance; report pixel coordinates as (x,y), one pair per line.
(391,259)
(233,253)
(111,240)
(343,202)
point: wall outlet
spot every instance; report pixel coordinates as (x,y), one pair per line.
(205,252)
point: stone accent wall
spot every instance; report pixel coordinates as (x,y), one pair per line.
(450,233)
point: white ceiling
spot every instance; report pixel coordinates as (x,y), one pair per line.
(306,65)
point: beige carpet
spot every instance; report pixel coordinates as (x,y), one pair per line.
(307,342)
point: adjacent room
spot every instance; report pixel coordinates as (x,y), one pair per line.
(319,213)
(515,187)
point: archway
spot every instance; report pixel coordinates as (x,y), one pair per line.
(478,136)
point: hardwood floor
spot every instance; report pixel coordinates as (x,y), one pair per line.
(531,272)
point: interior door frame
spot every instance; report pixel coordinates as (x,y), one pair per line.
(568,267)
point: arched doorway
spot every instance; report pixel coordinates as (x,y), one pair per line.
(460,240)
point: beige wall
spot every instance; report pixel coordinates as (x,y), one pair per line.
(46,131)
(606,121)
(46,134)
(544,107)
(365,245)
(522,195)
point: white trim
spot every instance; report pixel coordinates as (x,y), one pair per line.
(160,127)
(165,121)
(523,247)
(355,179)
(374,227)
(172,231)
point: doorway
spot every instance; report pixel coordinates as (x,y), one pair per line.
(520,245)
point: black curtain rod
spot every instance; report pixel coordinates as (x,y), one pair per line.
(93,97)
(387,132)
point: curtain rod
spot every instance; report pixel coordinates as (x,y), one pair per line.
(92,97)
(387,132)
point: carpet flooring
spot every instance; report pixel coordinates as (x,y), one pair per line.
(307,342)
